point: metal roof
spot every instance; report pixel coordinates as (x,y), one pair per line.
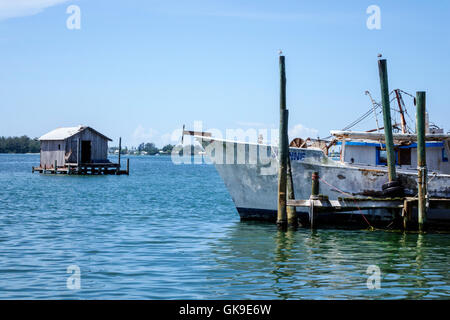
(64,133)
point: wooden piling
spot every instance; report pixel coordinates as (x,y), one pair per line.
(78,153)
(120,151)
(128,166)
(314,196)
(291,210)
(382,68)
(283,147)
(315,185)
(56,166)
(282,172)
(406,213)
(421,159)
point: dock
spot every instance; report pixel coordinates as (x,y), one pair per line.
(400,207)
(85,169)
(322,203)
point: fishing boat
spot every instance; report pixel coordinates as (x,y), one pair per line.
(349,164)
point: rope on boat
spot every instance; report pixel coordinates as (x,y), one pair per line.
(435,174)
(375,106)
(348,194)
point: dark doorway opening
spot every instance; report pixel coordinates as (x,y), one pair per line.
(85,151)
(404,156)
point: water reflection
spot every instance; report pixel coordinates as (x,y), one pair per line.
(283,270)
(171,232)
(332,264)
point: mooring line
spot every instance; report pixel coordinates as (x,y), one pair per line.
(348,194)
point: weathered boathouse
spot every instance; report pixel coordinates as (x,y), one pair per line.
(76,150)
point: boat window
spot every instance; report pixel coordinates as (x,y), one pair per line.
(382,157)
(404,156)
(444,155)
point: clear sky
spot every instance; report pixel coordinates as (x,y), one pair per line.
(141,69)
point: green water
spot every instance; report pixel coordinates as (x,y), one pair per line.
(171,232)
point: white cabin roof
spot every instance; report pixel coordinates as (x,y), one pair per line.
(66,132)
(377,136)
(61,133)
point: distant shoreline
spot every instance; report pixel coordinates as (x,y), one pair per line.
(36,153)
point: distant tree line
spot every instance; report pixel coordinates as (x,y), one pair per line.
(25,144)
(150,148)
(21,144)
(144,148)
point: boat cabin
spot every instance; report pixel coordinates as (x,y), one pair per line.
(368,149)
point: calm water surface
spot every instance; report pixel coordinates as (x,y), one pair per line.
(171,232)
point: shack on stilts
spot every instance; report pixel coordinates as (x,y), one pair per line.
(77,150)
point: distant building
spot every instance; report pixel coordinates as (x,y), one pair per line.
(73,145)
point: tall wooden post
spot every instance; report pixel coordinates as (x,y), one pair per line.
(128,166)
(387,118)
(120,151)
(314,196)
(78,155)
(282,150)
(120,148)
(407,212)
(421,159)
(291,211)
(56,166)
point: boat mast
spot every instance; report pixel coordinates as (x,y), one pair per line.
(374,106)
(402,115)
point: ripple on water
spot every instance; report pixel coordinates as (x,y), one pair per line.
(172,232)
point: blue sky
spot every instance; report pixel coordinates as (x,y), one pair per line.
(141,69)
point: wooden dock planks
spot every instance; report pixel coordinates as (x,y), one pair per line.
(351,204)
(85,169)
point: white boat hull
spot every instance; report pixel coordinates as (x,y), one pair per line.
(252,181)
